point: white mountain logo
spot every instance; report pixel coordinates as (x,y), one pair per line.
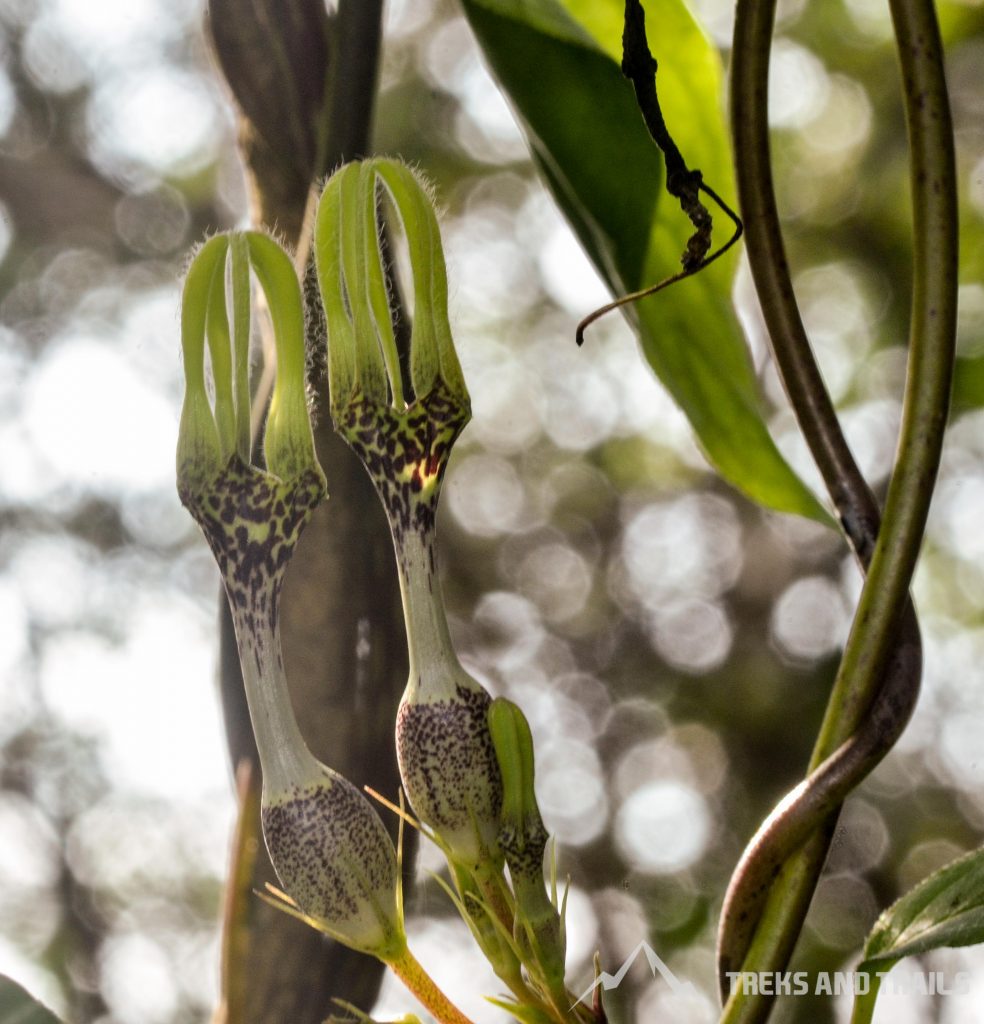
(610,981)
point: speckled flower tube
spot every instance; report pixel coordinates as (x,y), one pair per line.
(327,843)
(444,747)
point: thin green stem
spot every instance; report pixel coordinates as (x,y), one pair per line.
(930,365)
(884,621)
(864,1005)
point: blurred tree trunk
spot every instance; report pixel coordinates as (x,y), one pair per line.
(303,82)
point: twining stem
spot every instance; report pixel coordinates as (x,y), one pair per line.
(884,621)
(408,969)
(789,825)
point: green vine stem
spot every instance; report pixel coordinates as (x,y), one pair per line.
(881,659)
(819,796)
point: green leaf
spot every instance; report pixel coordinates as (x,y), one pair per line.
(945,909)
(558,62)
(17,1006)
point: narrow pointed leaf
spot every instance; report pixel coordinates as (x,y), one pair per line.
(945,909)
(558,63)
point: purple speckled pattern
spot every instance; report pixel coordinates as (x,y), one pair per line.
(232,511)
(449,769)
(404,450)
(333,855)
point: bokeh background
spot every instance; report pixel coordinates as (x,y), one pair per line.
(671,644)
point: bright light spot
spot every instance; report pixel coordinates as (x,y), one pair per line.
(558,579)
(809,620)
(155,520)
(52,57)
(798,85)
(448,53)
(960,740)
(25,478)
(717,18)
(626,924)
(159,118)
(149,328)
(150,700)
(448,953)
(844,911)
(844,124)
(645,406)
(654,759)
(571,791)
(837,319)
(872,430)
(866,837)
(663,827)
(659,1003)
(871,17)
(692,634)
(957,516)
(582,927)
(582,401)
(153,223)
(13,615)
(687,546)
(97,423)
(28,845)
(572,707)
(403,17)
(137,979)
(119,32)
(568,274)
(505,399)
(708,756)
(924,859)
(509,628)
(53,574)
(491,273)
(121,842)
(486,495)
(485,126)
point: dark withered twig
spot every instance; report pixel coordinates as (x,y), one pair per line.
(639,67)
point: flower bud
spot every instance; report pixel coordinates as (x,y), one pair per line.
(335,858)
(523,839)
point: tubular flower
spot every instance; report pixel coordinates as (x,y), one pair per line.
(328,845)
(444,747)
